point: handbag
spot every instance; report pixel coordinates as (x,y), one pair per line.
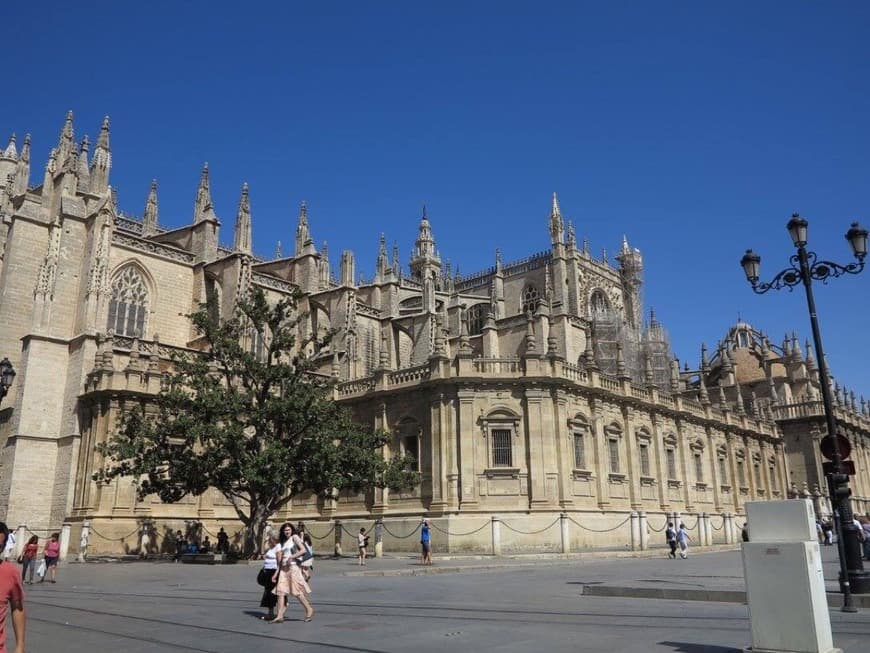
(40,570)
(306,556)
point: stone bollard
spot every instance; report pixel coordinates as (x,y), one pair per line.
(566,535)
(379,538)
(83,541)
(496,536)
(337,538)
(702,529)
(726,527)
(64,540)
(644,531)
(635,531)
(20,541)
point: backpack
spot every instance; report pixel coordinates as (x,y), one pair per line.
(670,535)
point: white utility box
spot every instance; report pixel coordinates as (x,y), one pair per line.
(785,587)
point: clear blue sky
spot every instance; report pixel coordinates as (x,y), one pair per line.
(695,129)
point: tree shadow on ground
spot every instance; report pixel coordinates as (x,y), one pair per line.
(689,647)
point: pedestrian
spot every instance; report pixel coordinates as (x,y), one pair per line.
(820,534)
(205,547)
(266,578)
(28,558)
(308,565)
(829,533)
(51,553)
(865,527)
(180,546)
(426,543)
(671,537)
(9,546)
(683,540)
(289,578)
(223,541)
(362,541)
(11,596)
(744,532)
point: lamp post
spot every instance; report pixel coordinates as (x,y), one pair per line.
(804,269)
(7,376)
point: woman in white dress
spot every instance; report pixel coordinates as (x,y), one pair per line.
(289,578)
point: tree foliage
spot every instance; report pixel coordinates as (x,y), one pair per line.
(249,417)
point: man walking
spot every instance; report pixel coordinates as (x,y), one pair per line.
(671,537)
(11,595)
(683,540)
(426,543)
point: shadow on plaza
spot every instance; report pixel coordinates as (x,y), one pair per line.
(687,647)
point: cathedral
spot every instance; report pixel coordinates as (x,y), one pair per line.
(531,390)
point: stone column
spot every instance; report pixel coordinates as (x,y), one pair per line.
(660,464)
(602,463)
(566,535)
(631,459)
(64,540)
(539,439)
(564,449)
(338,538)
(440,437)
(20,540)
(467,436)
(635,531)
(644,530)
(379,538)
(496,536)
(728,527)
(83,541)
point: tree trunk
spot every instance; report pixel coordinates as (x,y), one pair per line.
(255,526)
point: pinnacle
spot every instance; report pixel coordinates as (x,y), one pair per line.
(556,210)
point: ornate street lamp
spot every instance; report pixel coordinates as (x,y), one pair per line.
(7,376)
(804,269)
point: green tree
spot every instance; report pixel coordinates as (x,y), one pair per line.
(249,417)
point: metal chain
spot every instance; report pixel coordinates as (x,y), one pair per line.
(511,528)
(658,530)
(689,528)
(476,530)
(606,530)
(113,539)
(713,526)
(328,533)
(400,537)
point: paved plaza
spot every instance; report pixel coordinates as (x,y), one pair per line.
(394,604)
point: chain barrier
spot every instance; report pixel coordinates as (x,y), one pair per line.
(446,532)
(658,530)
(328,533)
(717,528)
(400,537)
(689,528)
(606,530)
(511,528)
(352,535)
(48,531)
(113,539)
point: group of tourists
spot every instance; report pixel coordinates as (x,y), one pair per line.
(678,538)
(288,565)
(182,545)
(30,555)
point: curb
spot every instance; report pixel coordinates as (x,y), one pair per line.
(835,599)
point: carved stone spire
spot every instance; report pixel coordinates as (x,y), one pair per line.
(102,161)
(589,352)
(203,209)
(557,227)
(278,253)
(22,169)
(382,265)
(303,235)
(572,236)
(66,144)
(149,221)
(83,172)
(531,344)
(242,235)
(621,369)
(723,401)
(426,261)
(703,396)
(675,375)
(397,266)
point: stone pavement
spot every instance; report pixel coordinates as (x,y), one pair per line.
(394,605)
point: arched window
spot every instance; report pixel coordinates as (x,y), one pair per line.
(531,299)
(598,302)
(476,317)
(128,308)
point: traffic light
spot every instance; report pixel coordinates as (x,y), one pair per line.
(840,486)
